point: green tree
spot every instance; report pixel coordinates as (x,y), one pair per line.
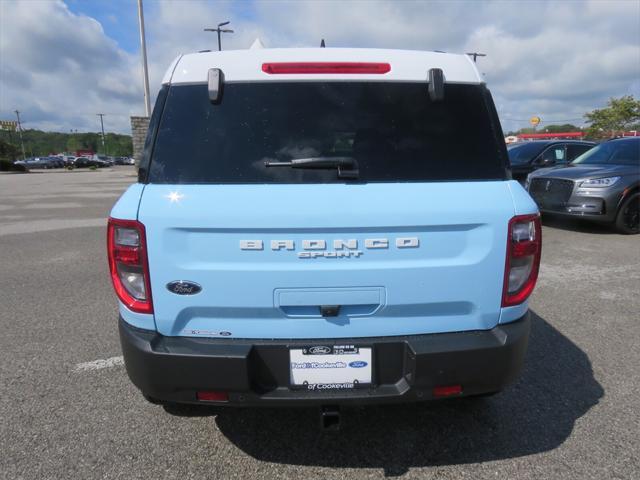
(40,143)
(73,144)
(8,151)
(567,127)
(618,116)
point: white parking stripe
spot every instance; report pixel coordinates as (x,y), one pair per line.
(37,226)
(99,364)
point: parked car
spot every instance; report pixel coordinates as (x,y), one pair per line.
(83,162)
(106,160)
(525,157)
(315,233)
(122,161)
(39,162)
(57,162)
(602,184)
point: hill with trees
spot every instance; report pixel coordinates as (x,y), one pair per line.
(38,143)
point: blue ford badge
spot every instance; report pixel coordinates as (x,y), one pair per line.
(358,364)
(181,287)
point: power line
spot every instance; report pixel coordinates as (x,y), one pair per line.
(24,156)
(101,115)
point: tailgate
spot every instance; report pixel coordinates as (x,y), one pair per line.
(395,259)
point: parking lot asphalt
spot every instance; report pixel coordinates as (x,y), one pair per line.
(68,410)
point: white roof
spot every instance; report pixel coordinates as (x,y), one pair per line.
(246,65)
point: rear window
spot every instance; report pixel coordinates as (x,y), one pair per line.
(393,130)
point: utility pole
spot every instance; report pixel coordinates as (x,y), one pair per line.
(102,126)
(219,30)
(475,55)
(24,156)
(145,73)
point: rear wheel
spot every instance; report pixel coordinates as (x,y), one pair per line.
(628,218)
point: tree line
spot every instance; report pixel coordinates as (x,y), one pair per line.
(38,143)
(620,115)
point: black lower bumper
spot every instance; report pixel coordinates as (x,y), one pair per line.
(256,372)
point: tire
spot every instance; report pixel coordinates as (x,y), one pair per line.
(628,217)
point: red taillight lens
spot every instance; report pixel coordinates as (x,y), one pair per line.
(212,396)
(524,245)
(447,391)
(325,67)
(127,250)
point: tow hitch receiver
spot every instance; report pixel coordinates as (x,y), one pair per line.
(330,418)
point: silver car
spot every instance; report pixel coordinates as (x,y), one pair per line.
(602,184)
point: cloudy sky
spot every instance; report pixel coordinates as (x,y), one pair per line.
(61,62)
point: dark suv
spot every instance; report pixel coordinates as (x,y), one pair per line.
(603,184)
(526,157)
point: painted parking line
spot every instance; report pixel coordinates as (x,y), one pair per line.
(99,364)
(38,226)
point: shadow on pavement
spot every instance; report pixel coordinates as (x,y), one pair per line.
(534,415)
(575,224)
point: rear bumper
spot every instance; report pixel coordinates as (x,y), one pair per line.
(406,369)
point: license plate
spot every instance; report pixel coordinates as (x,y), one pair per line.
(330,367)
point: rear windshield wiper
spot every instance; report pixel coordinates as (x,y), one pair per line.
(347,166)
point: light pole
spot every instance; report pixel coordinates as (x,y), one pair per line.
(475,55)
(102,127)
(145,73)
(24,156)
(219,30)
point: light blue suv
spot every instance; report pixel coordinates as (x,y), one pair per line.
(322,227)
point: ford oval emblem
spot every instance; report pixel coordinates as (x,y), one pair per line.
(358,364)
(319,350)
(182,287)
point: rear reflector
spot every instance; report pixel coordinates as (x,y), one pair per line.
(447,391)
(212,396)
(325,67)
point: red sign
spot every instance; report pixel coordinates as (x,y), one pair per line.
(525,136)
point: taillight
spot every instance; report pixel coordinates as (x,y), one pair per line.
(524,245)
(127,249)
(325,67)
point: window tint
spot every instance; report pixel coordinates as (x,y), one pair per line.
(575,150)
(554,154)
(617,152)
(154,121)
(524,152)
(393,130)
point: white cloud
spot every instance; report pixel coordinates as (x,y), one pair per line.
(60,69)
(548,58)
